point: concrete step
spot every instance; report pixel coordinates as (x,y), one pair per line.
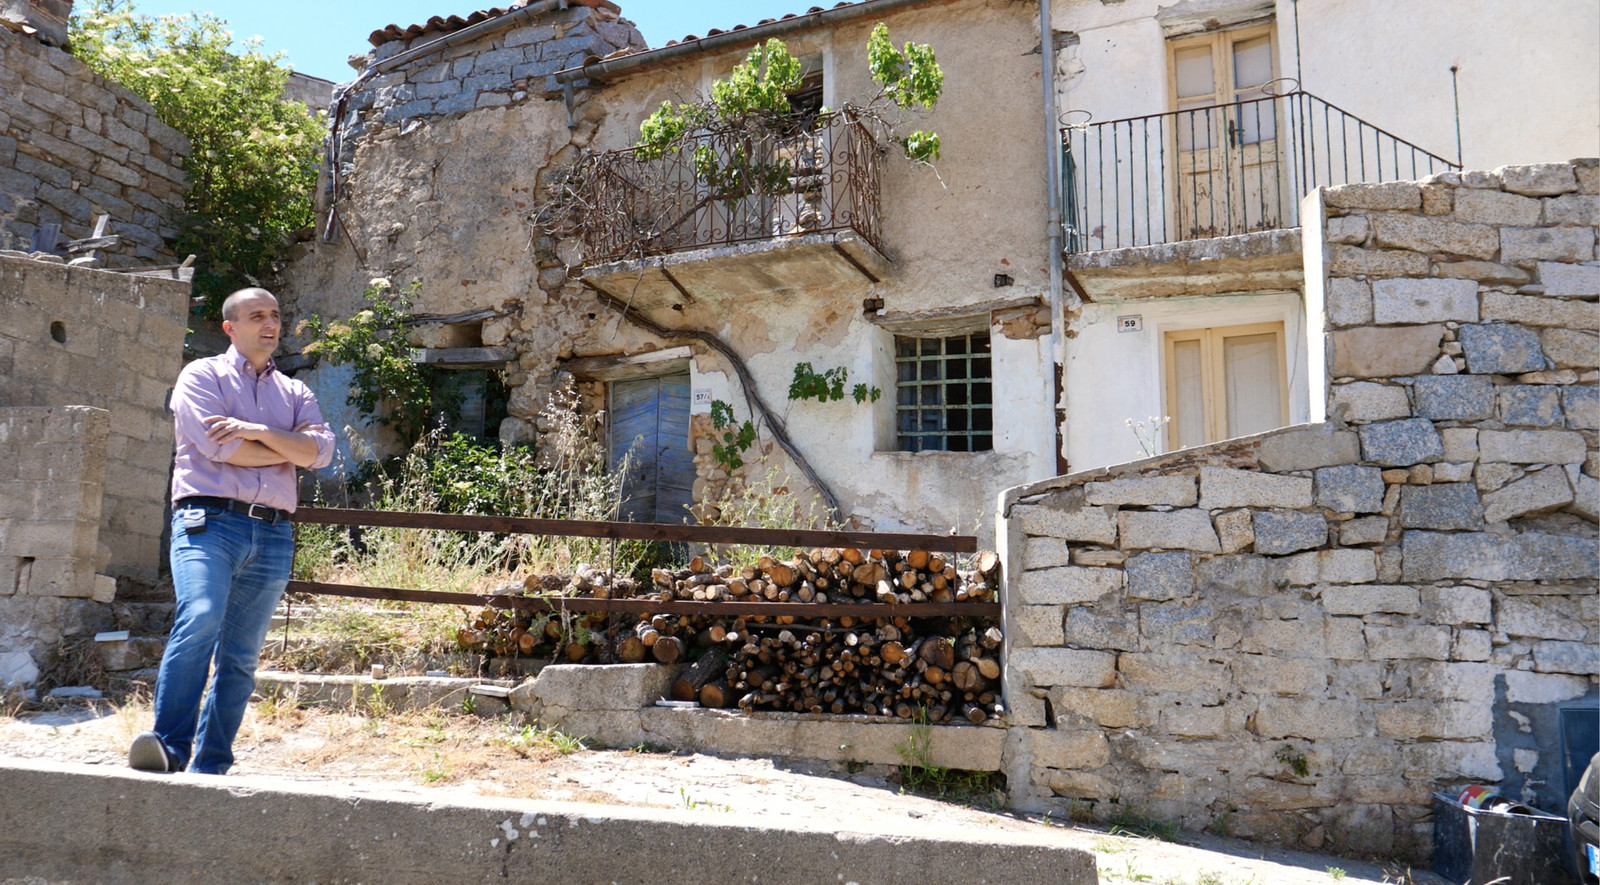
(121,651)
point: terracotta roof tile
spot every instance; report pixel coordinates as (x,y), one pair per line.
(766,21)
(445,25)
(438,25)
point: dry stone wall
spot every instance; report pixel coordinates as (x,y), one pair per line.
(74,146)
(52,472)
(506,68)
(416,199)
(1298,636)
(80,337)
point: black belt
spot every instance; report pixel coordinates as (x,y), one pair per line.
(266,514)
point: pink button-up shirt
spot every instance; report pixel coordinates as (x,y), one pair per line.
(226,385)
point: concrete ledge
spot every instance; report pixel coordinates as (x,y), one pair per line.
(730,273)
(88,824)
(613,705)
(866,739)
(1218,265)
(395,693)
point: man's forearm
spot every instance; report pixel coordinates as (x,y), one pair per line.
(295,447)
(254,454)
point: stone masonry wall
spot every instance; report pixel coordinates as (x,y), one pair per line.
(74,146)
(75,336)
(503,69)
(52,471)
(1298,636)
(417,200)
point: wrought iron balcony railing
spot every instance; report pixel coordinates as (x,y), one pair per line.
(760,182)
(1219,171)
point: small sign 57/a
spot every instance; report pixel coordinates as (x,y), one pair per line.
(1133,323)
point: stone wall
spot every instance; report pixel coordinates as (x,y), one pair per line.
(74,146)
(495,71)
(1298,636)
(74,336)
(438,159)
(442,195)
(52,470)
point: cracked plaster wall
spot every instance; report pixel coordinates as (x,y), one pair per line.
(444,198)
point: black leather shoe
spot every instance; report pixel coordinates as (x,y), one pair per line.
(148,753)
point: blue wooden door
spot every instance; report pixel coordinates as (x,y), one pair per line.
(650,419)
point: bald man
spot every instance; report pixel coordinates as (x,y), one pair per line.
(242,428)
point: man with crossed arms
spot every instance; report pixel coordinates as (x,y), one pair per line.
(242,428)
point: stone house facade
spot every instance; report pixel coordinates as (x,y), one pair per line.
(1300,635)
(945,257)
(1192,129)
(443,156)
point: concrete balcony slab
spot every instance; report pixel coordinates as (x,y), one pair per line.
(762,268)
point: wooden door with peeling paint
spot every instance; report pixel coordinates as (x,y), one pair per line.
(650,422)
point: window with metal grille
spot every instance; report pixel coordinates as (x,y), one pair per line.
(944,393)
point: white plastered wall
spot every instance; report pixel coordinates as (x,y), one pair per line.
(900,491)
(1526,71)
(1114,376)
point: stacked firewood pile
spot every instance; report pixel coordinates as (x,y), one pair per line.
(899,663)
(878,667)
(837,574)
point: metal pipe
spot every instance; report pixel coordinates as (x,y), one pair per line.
(1455,92)
(627,64)
(1052,190)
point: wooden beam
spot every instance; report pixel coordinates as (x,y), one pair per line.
(944,316)
(590,605)
(488,357)
(637,531)
(618,368)
(93,243)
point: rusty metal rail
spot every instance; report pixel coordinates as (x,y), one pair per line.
(731,186)
(643,531)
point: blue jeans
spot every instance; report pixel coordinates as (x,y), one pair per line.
(228,580)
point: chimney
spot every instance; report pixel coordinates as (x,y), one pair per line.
(45,20)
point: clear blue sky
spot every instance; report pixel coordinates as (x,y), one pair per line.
(318,36)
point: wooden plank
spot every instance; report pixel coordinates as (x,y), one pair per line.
(622,368)
(93,243)
(635,410)
(675,471)
(465,357)
(657,607)
(637,531)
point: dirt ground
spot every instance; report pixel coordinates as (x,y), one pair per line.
(434,755)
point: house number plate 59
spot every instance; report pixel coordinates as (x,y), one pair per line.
(1133,323)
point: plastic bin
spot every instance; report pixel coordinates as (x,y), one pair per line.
(1480,845)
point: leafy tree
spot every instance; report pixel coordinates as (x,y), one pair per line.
(253,161)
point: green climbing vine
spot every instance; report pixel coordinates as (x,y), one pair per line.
(828,386)
(735,439)
(756,94)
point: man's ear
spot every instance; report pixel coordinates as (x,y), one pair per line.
(227,328)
